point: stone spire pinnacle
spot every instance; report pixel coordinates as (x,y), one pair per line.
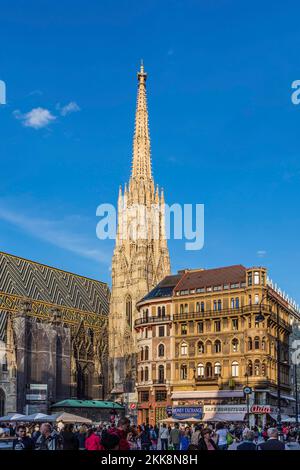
(141,160)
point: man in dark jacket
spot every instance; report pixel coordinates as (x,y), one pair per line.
(23,442)
(248,438)
(273,443)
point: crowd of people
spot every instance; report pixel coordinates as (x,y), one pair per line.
(124,436)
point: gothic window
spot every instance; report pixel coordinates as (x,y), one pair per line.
(256,342)
(163,312)
(146,353)
(202,307)
(249,344)
(200,347)
(183,372)
(208,370)
(142,375)
(217,369)
(200,326)
(237,302)
(263,344)
(129,310)
(235,345)
(219,304)
(232,302)
(264,369)
(184,349)
(257,367)
(217,346)
(159,311)
(161,374)
(200,370)
(235,369)
(215,305)
(161,350)
(146,374)
(142,354)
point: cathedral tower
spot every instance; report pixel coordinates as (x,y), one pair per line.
(141,256)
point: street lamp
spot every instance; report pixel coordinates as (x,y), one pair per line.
(247,397)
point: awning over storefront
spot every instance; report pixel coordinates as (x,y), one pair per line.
(284,418)
(196,395)
(215,417)
(284,397)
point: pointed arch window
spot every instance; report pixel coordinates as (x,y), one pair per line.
(235,345)
(146,353)
(200,370)
(161,350)
(184,349)
(200,347)
(129,310)
(217,369)
(183,372)
(235,369)
(217,346)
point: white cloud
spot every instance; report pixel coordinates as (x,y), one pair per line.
(261,253)
(37,118)
(69,108)
(61,233)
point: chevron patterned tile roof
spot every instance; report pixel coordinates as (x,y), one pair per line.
(37,281)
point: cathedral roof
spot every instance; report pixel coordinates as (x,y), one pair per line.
(37,281)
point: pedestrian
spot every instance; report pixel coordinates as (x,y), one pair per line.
(222,435)
(185,439)
(175,437)
(92,441)
(23,442)
(273,443)
(122,431)
(248,438)
(70,440)
(146,438)
(49,439)
(164,437)
(196,435)
(153,438)
(206,442)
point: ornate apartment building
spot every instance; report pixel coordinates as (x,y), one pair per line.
(204,335)
(141,257)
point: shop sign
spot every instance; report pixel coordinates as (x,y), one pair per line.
(185,412)
(261,409)
(225,408)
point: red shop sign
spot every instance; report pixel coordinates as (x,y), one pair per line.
(261,409)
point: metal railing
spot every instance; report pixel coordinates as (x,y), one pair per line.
(142,321)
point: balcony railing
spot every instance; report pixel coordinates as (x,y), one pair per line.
(224,312)
(159,381)
(142,321)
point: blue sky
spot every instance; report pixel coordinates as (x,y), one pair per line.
(224,131)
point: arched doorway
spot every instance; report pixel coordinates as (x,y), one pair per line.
(2,402)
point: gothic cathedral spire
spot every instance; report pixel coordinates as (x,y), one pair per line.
(141,256)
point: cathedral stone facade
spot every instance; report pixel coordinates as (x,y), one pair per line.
(141,257)
(53,336)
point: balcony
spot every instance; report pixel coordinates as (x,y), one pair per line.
(147,320)
(225,312)
(159,382)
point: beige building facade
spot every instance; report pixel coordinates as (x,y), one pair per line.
(223,330)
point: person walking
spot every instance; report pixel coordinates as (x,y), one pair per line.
(175,437)
(164,436)
(222,434)
(248,438)
(70,440)
(273,443)
(49,439)
(146,438)
(206,442)
(92,441)
(23,442)
(122,432)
